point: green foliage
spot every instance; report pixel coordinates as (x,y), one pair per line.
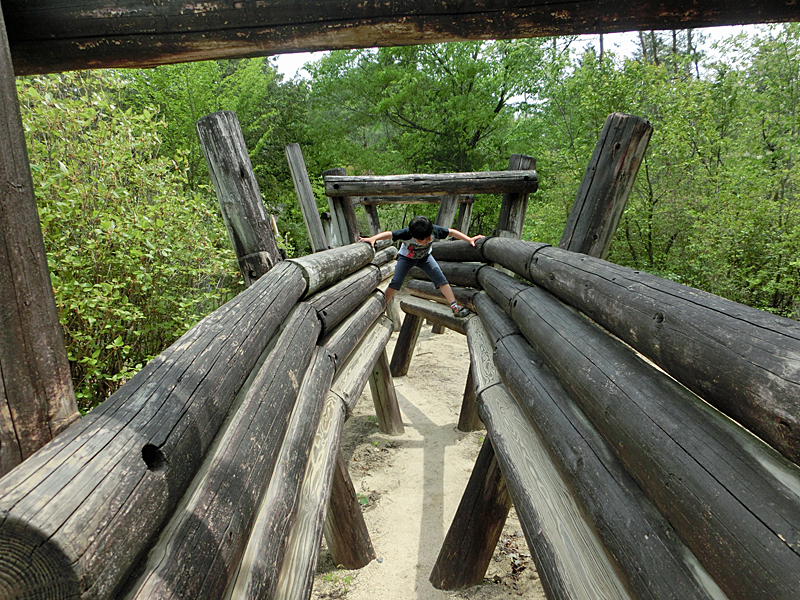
(135,258)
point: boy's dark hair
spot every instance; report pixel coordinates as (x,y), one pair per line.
(420,227)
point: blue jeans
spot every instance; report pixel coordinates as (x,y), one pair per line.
(427,264)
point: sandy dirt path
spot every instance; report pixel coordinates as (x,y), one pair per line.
(410,486)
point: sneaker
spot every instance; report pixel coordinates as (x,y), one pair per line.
(461,311)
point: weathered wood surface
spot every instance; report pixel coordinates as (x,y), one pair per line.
(712,480)
(198,552)
(438,184)
(342,341)
(36,397)
(448,208)
(308,205)
(353,374)
(655,562)
(515,205)
(342,213)
(269,543)
(468,417)
(469,542)
(384,256)
(338,301)
(464,217)
(744,361)
(434,312)
(246,219)
(373,220)
(58,36)
(404,347)
(459,274)
(570,559)
(497,323)
(459,251)
(514,255)
(606,185)
(384,397)
(368,201)
(345,531)
(303,544)
(501,287)
(80,513)
(323,269)
(426,289)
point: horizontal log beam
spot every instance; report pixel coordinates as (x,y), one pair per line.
(389,200)
(325,268)
(433,312)
(426,289)
(49,35)
(438,184)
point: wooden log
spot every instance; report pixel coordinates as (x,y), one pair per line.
(57,36)
(246,219)
(514,255)
(570,560)
(464,217)
(384,256)
(303,545)
(342,212)
(81,512)
(481,356)
(501,287)
(448,207)
(434,312)
(384,397)
(456,273)
(308,205)
(345,531)
(459,251)
(342,341)
(199,551)
(496,322)
(36,397)
(713,481)
(265,554)
(656,564)
(373,221)
(469,541)
(404,347)
(323,269)
(338,301)
(515,205)
(743,361)
(439,184)
(366,201)
(606,185)
(468,417)
(426,289)
(352,374)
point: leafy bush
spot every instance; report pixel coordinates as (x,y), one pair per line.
(135,259)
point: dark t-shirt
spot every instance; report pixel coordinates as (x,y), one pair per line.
(415,251)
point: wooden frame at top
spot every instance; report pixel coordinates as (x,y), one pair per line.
(52,35)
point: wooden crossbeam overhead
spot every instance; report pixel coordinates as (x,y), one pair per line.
(51,35)
(436,184)
(387,200)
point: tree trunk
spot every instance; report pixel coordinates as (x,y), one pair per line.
(36,397)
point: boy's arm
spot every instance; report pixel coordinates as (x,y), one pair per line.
(460,236)
(383,235)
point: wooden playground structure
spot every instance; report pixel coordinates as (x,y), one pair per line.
(647,433)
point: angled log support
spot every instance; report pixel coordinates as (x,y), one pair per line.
(384,396)
(308,205)
(249,226)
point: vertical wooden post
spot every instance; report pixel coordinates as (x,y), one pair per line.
(246,219)
(373,221)
(384,397)
(469,419)
(448,207)
(345,531)
(36,396)
(464,215)
(515,206)
(606,185)
(404,347)
(308,205)
(342,213)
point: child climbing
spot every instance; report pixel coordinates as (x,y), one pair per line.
(416,252)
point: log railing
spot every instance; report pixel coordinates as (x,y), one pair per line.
(201,457)
(686,501)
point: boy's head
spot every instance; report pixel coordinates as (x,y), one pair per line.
(420,228)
